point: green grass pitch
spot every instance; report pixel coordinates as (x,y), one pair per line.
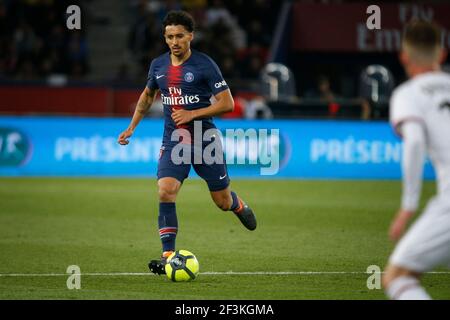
(110,226)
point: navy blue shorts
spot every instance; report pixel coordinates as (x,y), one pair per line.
(215,175)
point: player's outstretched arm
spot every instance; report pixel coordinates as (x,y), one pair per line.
(224,103)
(143,105)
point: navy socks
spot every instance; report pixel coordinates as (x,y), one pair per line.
(168,225)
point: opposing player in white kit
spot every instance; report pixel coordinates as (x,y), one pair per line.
(420,113)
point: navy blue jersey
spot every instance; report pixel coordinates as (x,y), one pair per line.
(188,86)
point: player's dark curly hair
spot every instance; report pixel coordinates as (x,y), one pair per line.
(174,18)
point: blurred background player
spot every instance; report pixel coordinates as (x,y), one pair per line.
(187,79)
(420,113)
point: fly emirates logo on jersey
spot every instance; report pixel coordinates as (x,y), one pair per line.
(176,98)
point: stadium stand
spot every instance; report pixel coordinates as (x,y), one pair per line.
(118,39)
(35,42)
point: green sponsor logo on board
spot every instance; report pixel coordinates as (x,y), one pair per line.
(14,148)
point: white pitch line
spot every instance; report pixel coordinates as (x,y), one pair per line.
(207,273)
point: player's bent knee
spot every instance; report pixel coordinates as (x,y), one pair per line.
(386,280)
(392,272)
(167,194)
(389,274)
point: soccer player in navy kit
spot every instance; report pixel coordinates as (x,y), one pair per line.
(186,79)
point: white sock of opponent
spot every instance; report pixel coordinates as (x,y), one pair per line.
(406,288)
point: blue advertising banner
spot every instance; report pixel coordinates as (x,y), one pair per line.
(59,146)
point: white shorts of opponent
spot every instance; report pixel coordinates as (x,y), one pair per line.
(426,245)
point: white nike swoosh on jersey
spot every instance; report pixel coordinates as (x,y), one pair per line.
(160,76)
(222,177)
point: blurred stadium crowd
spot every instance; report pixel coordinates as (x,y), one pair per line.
(35,43)
(231,32)
(118,39)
